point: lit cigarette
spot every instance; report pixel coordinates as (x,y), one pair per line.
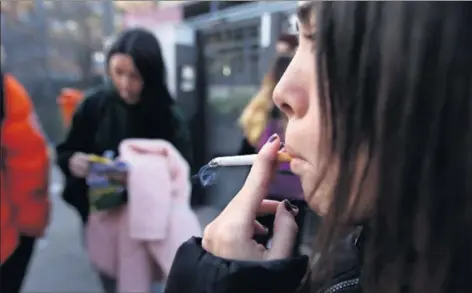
(246,160)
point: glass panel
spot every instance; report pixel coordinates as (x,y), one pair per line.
(229,89)
(237,61)
(225,104)
(224,136)
(288,23)
(254,64)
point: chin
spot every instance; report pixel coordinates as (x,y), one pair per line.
(130,100)
(316,197)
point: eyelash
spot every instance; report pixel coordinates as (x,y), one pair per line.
(310,37)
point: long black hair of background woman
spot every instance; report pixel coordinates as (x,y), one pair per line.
(143,47)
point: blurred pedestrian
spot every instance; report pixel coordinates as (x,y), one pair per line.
(259,120)
(136,103)
(24,178)
(380,130)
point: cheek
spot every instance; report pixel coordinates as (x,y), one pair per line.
(321,196)
(136,86)
(304,137)
(304,132)
(312,129)
(114,76)
(117,79)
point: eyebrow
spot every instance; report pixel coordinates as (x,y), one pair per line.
(304,12)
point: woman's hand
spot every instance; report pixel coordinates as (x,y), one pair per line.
(230,235)
(79,165)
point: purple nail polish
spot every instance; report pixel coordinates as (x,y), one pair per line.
(282,145)
(288,206)
(273,137)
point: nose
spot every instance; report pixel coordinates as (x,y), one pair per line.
(281,94)
(125,83)
(292,92)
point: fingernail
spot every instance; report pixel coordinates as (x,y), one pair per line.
(282,145)
(288,205)
(273,137)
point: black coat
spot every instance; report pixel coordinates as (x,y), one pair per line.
(196,271)
(101,122)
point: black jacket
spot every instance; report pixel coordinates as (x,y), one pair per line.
(100,123)
(196,271)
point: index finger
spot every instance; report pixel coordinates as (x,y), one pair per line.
(257,183)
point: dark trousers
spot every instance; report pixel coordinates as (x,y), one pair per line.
(13,271)
(268,221)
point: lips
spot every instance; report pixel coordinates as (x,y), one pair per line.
(289,150)
(296,162)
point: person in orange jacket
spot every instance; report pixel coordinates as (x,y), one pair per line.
(24,176)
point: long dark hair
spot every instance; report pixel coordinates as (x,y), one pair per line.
(144,48)
(396,85)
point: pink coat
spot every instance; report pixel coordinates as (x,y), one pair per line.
(129,243)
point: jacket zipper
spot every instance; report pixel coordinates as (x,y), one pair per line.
(339,287)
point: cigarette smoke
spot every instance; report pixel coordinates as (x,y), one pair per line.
(206,176)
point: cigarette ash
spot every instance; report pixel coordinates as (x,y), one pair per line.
(206,175)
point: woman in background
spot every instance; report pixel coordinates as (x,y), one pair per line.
(135,103)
